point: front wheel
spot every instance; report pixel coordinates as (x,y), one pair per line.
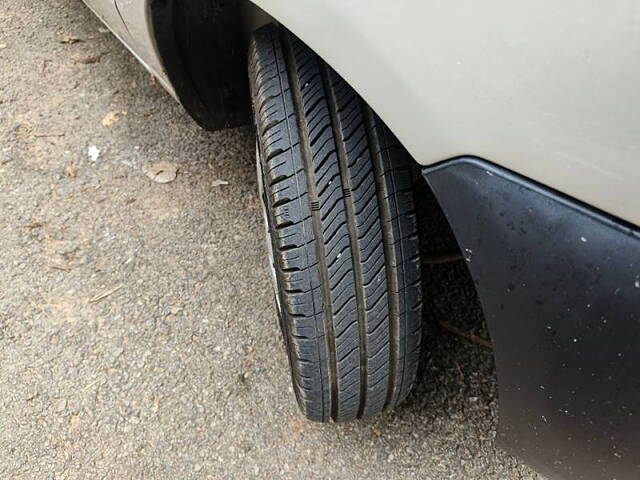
(342,232)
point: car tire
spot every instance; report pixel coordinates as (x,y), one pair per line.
(338,201)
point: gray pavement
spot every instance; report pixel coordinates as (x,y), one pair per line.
(137,329)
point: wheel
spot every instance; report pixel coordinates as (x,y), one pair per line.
(342,228)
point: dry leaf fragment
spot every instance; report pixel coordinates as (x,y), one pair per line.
(217,183)
(23,129)
(162,172)
(105,294)
(31,396)
(49,134)
(70,171)
(70,40)
(3,46)
(64,268)
(33,226)
(112,118)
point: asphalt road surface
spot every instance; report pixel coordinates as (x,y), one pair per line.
(138,336)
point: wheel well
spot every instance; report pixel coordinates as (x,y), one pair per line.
(203,44)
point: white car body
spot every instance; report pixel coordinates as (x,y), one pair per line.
(549,90)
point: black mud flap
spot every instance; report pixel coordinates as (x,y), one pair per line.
(560,288)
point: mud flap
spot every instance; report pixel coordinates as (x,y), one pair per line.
(560,288)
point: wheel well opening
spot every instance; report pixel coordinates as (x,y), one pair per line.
(203,47)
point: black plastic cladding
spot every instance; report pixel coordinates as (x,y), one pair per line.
(560,287)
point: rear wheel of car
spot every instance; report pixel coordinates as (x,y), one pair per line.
(337,193)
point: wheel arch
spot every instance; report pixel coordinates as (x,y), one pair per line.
(202,45)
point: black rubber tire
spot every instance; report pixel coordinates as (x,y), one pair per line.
(338,193)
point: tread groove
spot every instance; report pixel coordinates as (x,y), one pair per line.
(389,255)
(356,259)
(316,224)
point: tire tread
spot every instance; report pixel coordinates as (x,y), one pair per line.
(345,235)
